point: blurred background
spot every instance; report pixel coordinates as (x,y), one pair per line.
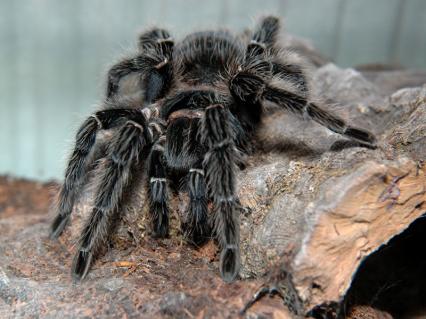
(54,55)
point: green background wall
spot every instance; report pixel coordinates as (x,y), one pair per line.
(54,55)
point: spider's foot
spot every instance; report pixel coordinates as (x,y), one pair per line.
(161,230)
(81,265)
(282,288)
(58,225)
(196,234)
(160,233)
(326,310)
(197,227)
(160,224)
(229,264)
(256,297)
(364,138)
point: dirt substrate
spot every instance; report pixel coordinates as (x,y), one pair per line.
(154,279)
(157,278)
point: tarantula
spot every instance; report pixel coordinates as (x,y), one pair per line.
(201,101)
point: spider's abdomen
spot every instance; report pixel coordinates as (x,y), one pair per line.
(203,56)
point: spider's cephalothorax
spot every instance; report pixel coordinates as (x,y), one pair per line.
(202,100)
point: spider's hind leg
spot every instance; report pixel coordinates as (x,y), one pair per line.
(299,104)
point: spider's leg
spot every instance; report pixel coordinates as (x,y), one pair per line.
(219,164)
(156,71)
(152,38)
(284,64)
(300,105)
(291,68)
(78,164)
(196,226)
(157,190)
(154,65)
(123,154)
(264,36)
(259,294)
(117,72)
(74,175)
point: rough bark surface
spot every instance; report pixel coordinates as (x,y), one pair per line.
(310,198)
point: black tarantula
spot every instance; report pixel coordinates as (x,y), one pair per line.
(202,101)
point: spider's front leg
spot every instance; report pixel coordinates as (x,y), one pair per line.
(78,165)
(219,164)
(124,153)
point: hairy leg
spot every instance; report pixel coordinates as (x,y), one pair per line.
(250,86)
(300,105)
(123,154)
(153,64)
(282,64)
(196,225)
(155,70)
(155,37)
(79,162)
(157,190)
(264,36)
(219,165)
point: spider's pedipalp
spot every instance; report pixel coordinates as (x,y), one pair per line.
(123,154)
(157,191)
(181,149)
(189,99)
(196,226)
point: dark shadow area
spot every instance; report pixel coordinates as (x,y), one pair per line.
(393,279)
(342,144)
(290,148)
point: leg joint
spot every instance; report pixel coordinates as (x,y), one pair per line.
(100,126)
(228,199)
(157,179)
(222,144)
(134,124)
(214,106)
(197,171)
